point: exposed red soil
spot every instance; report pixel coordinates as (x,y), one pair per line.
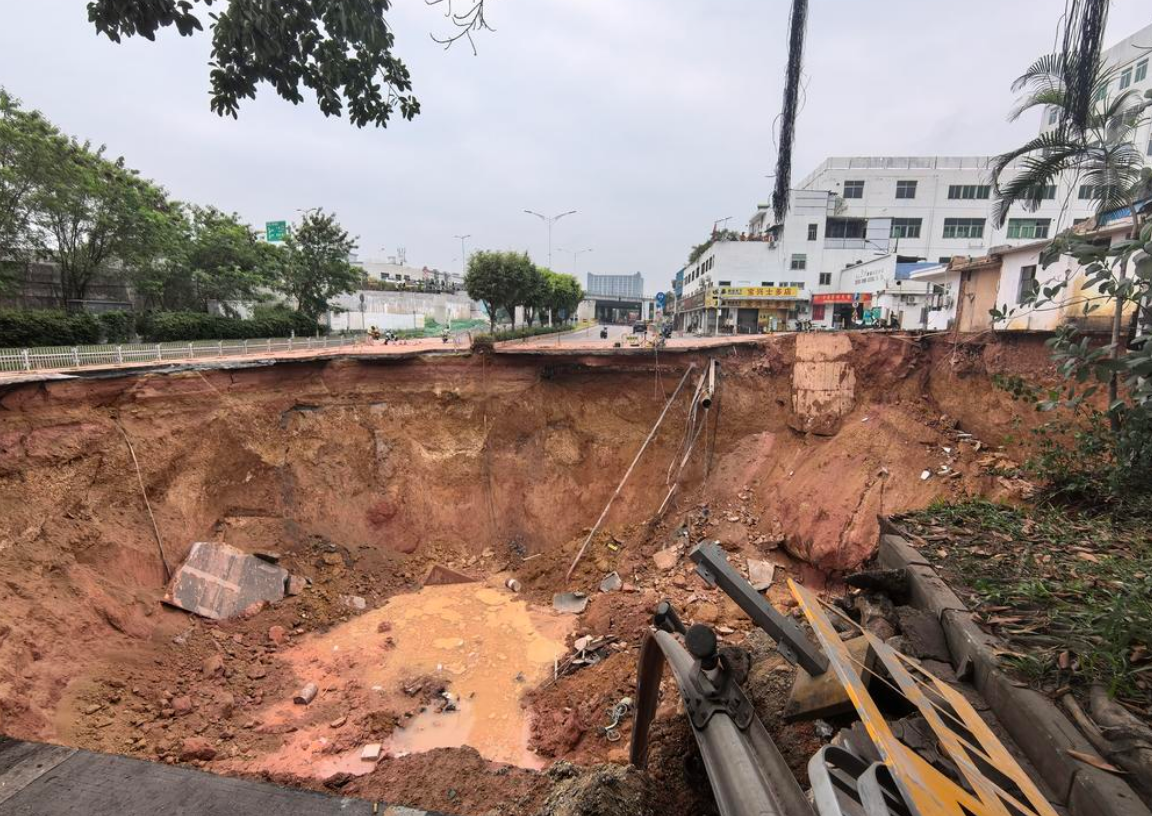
(361,475)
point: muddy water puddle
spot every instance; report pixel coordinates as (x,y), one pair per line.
(485,645)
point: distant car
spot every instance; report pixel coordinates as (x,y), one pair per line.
(640,328)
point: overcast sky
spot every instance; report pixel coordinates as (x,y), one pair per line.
(652,118)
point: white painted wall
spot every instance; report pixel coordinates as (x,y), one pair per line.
(356,321)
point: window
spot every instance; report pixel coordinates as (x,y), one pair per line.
(854,189)
(825,278)
(1150,145)
(796,284)
(1053,115)
(812,228)
(725,283)
(1089,192)
(1125,78)
(944,259)
(963,227)
(845,228)
(1141,70)
(1027,285)
(767,283)
(906,189)
(969,191)
(799,261)
(1043,192)
(1028,227)
(906,227)
(1102,92)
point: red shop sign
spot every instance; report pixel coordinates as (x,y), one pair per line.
(842,297)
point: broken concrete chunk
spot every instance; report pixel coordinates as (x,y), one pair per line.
(372,753)
(296,584)
(571,602)
(893,583)
(666,559)
(760,574)
(611,582)
(582,643)
(217,581)
(355,602)
(306,695)
(438,575)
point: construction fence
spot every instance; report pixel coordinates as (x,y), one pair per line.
(60,357)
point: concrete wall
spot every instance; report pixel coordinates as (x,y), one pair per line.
(357,321)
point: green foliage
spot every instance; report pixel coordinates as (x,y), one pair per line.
(210,257)
(499,280)
(315,265)
(527,331)
(505,280)
(164,327)
(1102,151)
(719,235)
(30,329)
(1099,445)
(563,294)
(117,327)
(28,144)
(1071,592)
(340,50)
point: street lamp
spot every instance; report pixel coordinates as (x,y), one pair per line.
(720,221)
(576,253)
(550,221)
(463,254)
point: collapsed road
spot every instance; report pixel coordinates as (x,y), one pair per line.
(361,479)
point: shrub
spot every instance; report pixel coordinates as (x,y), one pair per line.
(528,331)
(166,327)
(118,327)
(23,329)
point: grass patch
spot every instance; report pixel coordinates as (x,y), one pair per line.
(1070,593)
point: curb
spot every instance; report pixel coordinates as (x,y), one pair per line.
(1041,730)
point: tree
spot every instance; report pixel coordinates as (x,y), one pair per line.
(500,280)
(316,266)
(27,150)
(1101,152)
(91,210)
(564,295)
(340,50)
(537,293)
(226,263)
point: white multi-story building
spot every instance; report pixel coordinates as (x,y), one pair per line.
(852,211)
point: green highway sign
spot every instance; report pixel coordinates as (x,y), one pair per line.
(276,230)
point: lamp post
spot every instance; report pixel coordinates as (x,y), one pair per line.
(550,220)
(576,253)
(463,254)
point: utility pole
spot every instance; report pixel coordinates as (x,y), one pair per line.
(550,220)
(463,254)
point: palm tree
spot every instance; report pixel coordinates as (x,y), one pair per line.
(1101,153)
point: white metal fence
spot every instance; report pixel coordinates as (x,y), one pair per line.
(55,357)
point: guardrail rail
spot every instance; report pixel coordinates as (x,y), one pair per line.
(49,358)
